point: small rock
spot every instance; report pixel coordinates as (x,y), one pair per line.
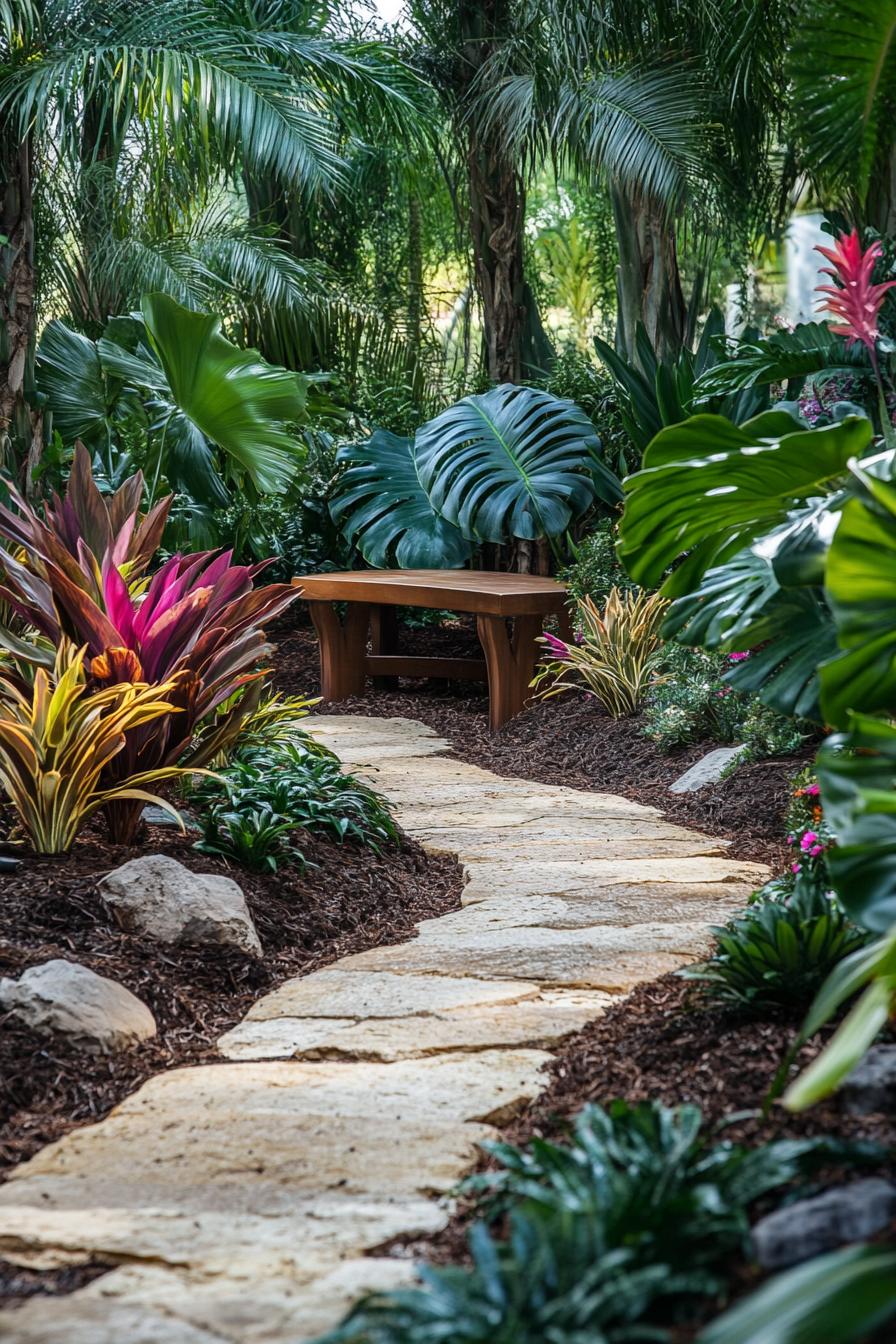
(159,896)
(66,997)
(871,1086)
(812,1226)
(708,770)
(157,816)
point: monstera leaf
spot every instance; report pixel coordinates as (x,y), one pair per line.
(513,462)
(228,395)
(710,488)
(861,588)
(383,507)
(857,774)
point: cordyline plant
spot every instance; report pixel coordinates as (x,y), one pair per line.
(197,624)
(58,741)
(615,657)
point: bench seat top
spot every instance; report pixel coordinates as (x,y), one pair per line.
(476,590)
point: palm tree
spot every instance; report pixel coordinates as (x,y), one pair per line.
(843,65)
(671,106)
(217,89)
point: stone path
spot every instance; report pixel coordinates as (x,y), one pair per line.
(238,1200)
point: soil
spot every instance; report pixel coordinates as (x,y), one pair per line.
(346,900)
(566,740)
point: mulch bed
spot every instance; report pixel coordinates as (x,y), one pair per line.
(566,740)
(350,900)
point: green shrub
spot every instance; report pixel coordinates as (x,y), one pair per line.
(595,569)
(692,703)
(249,811)
(778,953)
(632,1221)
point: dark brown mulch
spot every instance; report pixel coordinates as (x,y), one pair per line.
(352,899)
(566,740)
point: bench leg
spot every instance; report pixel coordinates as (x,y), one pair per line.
(511,663)
(384,639)
(343,648)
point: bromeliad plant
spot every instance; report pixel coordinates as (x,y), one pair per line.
(195,624)
(58,741)
(616,655)
(778,953)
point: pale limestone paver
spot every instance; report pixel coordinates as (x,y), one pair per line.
(241,1200)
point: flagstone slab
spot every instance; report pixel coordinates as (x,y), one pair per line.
(341,993)
(540,1022)
(248,1202)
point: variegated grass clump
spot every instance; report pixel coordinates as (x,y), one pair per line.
(57,738)
(615,658)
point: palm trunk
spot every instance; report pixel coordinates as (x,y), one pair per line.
(20,425)
(648,279)
(497,209)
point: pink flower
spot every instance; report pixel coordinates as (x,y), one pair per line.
(854,300)
(812,790)
(738,657)
(816,850)
(556,647)
(791,839)
(795,867)
(808,840)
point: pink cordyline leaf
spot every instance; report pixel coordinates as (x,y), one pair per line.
(854,301)
(556,647)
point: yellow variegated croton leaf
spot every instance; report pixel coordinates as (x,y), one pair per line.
(55,741)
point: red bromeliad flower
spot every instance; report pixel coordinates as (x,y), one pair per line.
(854,301)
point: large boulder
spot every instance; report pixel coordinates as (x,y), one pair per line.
(159,896)
(62,996)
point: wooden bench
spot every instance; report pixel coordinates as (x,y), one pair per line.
(510,655)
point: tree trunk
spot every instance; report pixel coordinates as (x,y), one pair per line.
(497,209)
(20,425)
(648,280)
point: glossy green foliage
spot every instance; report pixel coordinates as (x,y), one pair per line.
(655,393)
(784,357)
(249,811)
(383,506)
(779,951)
(841,1298)
(611,1238)
(735,521)
(515,462)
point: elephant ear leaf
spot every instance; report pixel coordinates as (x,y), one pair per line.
(230,396)
(384,509)
(513,462)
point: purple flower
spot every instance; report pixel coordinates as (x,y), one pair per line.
(808,840)
(791,839)
(556,647)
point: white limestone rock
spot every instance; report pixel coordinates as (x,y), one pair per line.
(159,896)
(62,996)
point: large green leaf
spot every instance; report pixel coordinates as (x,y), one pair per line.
(70,374)
(710,488)
(384,509)
(513,462)
(861,586)
(230,395)
(857,774)
(839,1298)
